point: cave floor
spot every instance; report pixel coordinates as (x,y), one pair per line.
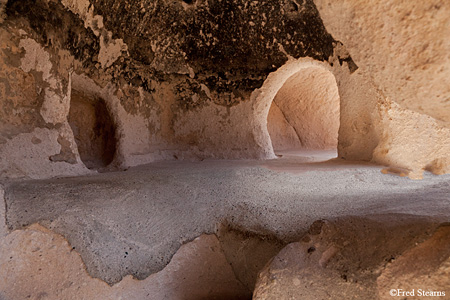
(133,221)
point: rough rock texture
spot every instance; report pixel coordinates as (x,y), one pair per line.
(34,103)
(151,211)
(90,86)
(401,46)
(195,80)
(154,209)
(230,38)
(401,51)
(2,10)
(264,97)
(411,142)
(171,71)
(247,252)
(332,261)
(423,270)
(358,134)
(343,259)
(3,226)
(37,263)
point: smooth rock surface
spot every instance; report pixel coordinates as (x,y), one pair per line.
(156,208)
(309,101)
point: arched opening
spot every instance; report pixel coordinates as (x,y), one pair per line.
(93,129)
(304,114)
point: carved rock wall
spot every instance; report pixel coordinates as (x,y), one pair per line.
(196,80)
(402,115)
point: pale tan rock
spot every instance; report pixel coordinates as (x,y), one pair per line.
(263,97)
(343,259)
(36,262)
(221,132)
(309,101)
(358,134)
(198,270)
(300,271)
(33,131)
(402,46)
(133,137)
(375,128)
(423,271)
(243,127)
(412,142)
(28,159)
(56,103)
(400,49)
(282,134)
(247,253)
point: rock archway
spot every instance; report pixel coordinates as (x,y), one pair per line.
(305,112)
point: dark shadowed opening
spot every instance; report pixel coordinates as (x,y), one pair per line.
(93,128)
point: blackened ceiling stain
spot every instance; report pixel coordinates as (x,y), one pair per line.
(57,27)
(230,45)
(220,35)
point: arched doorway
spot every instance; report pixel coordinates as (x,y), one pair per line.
(304,114)
(93,129)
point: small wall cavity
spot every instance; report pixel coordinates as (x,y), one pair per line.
(93,129)
(133,139)
(305,112)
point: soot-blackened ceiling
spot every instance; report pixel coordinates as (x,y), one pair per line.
(230,45)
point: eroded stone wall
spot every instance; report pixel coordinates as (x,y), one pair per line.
(401,46)
(195,80)
(51,268)
(340,263)
(401,116)
(35,136)
(178,77)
